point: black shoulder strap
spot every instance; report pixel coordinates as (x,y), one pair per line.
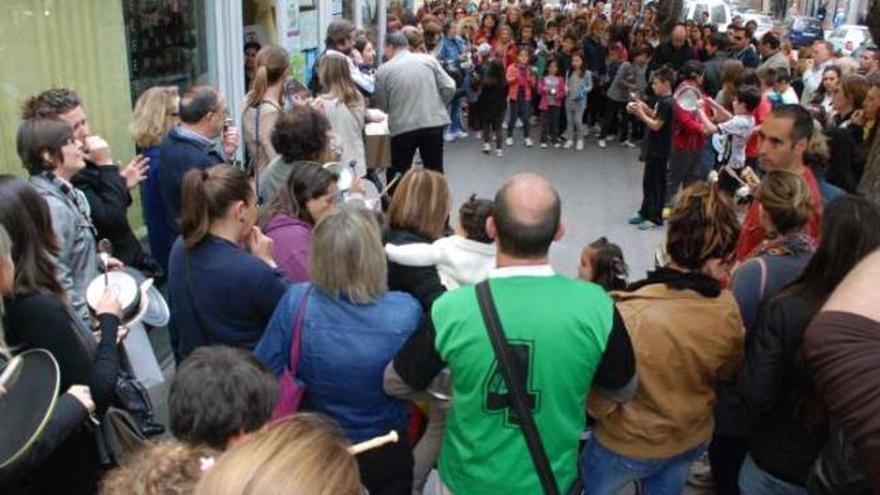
(516,387)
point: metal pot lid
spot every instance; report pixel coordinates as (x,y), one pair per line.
(125,284)
(32,381)
(157,313)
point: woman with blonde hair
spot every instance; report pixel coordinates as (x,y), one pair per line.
(221,293)
(418,214)
(349,327)
(304,454)
(155,113)
(345,108)
(667,316)
(785,203)
(264,104)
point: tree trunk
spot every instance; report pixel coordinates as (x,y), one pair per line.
(669,13)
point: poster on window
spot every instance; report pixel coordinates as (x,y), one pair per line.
(308,29)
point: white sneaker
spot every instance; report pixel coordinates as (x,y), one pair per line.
(580,145)
(629,144)
(611,137)
(509,141)
(499,152)
(568,144)
(557,145)
(487,148)
(461,134)
(448,137)
(602,143)
(528,142)
(544,146)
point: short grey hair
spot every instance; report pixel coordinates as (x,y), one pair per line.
(396,39)
(346,256)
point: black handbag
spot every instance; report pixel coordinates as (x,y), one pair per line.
(133,397)
(516,387)
(118,437)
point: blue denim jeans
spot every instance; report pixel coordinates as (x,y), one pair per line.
(755,481)
(454,116)
(607,473)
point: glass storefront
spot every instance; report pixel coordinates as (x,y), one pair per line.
(167,43)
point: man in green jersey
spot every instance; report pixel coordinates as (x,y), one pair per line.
(564,333)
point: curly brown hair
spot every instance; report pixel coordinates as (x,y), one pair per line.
(169,468)
(702,226)
(301,135)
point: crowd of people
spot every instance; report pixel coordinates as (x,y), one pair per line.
(318,301)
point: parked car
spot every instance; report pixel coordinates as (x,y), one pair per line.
(803,30)
(719,12)
(848,37)
(764,22)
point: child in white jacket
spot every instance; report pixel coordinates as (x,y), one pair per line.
(461,259)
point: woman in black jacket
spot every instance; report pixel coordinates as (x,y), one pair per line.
(788,427)
(418,214)
(38,316)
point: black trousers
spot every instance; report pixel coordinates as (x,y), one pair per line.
(550,124)
(726,455)
(428,141)
(614,122)
(654,189)
(388,470)
(492,124)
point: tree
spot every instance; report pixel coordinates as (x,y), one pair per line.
(669,13)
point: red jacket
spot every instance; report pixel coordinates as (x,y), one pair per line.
(687,128)
(752,234)
(519,76)
(761,112)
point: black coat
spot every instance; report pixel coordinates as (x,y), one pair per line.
(786,430)
(422,282)
(66,421)
(109,200)
(40,320)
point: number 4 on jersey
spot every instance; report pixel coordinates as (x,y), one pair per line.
(496,397)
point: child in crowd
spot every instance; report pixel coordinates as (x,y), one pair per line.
(462,259)
(657,147)
(784,89)
(551,88)
(491,103)
(520,81)
(164,468)
(628,83)
(737,128)
(579,83)
(602,262)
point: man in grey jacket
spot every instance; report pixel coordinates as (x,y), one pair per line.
(414,90)
(771,55)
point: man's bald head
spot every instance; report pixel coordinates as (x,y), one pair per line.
(527,216)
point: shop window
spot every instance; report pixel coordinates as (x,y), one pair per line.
(167,43)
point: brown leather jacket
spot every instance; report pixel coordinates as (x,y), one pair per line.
(686,339)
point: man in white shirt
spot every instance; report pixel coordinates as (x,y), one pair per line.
(822,51)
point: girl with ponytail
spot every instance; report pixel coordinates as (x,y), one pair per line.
(265,101)
(687,335)
(222,280)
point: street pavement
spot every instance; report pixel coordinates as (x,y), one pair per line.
(600,189)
